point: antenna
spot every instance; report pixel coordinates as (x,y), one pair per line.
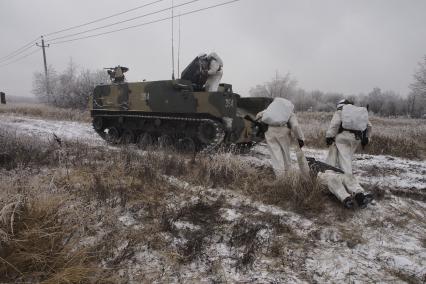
(173,49)
(178,63)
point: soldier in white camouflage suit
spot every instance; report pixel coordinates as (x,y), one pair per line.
(349,128)
(215,72)
(282,126)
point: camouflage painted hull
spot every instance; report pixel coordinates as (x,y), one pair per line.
(148,112)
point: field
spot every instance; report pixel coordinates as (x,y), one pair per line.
(76,210)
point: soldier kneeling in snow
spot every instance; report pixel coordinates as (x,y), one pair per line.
(345,187)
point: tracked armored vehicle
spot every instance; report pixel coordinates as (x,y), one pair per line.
(175,112)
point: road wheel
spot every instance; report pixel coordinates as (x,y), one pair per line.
(145,140)
(186,145)
(113,135)
(165,142)
(206,132)
(98,124)
(128,137)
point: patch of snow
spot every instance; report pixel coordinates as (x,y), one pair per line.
(127,220)
(183,225)
(230,214)
(392,171)
(67,130)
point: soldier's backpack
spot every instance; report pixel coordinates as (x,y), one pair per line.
(354,118)
(278,112)
(196,71)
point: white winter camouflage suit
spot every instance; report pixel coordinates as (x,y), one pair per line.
(215,72)
(340,155)
(279,139)
(341,185)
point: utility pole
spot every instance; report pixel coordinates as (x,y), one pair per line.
(178,63)
(173,49)
(45,63)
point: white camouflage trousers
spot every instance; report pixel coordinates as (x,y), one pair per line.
(340,154)
(213,81)
(279,141)
(341,185)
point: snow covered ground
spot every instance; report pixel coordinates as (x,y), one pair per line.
(386,242)
(385,171)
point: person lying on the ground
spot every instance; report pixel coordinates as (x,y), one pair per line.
(344,186)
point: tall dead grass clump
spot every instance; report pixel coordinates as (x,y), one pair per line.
(292,190)
(24,150)
(38,245)
(220,170)
(396,146)
(44,111)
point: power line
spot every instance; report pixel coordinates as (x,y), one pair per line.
(30,44)
(19,50)
(16,54)
(20,58)
(124,21)
(104,18)
(146,23)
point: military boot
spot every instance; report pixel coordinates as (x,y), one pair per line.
(348,203)
(363,199)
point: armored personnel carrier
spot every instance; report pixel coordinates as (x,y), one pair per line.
(175,112)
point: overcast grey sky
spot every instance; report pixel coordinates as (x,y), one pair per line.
(348,46)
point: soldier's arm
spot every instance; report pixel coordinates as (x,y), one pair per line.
(369,128)
(295,128)
(259,115)
(214,67)
(335,123)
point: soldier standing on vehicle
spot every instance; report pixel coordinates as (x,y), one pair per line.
(214,72)
(343,186)
(117,73)
(282,122)
(349,128)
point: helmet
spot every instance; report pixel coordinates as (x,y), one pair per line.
(213,55)
(343,102)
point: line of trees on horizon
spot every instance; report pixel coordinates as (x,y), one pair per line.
(383,103)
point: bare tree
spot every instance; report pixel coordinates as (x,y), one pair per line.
(417,97)
(70,89)
(40,86)
(279,86)
(418,87)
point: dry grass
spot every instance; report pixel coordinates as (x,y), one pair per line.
(86,190)
(401,137)
(44,241)
(37,245)
(44,111)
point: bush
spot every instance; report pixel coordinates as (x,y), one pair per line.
(69,89)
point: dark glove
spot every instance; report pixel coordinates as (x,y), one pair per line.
(364,141)
(301,143)
(329,140)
